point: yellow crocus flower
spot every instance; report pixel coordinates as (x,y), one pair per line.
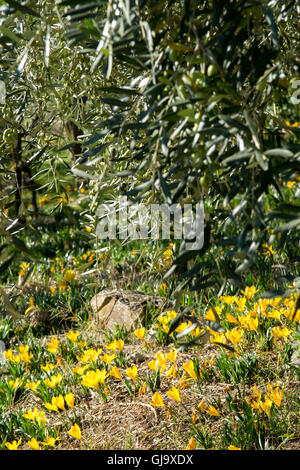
(266,406)
(174,394)
(132,372)
(115,373)
(153,365)
(281,332)
(51,406)
(50,441)
(249,292)
(55,380)
(235,335)
(140,333)
(190,369)
(32,385)
(72,336)
(108,358)
(211,410)
(157,400)
(33,443)
(171,356)
(69,275)
(53,345)
(31,307)
(48,367)
(80,370)
(69,398)
(231,319)
(35,415)
(191,445)
(143,389)
(59,402)
(171,372)
(13,445)
(75,431)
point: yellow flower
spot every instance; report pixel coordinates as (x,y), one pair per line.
(152,365)
(55,380)
(211,410)
(171,372)
(253,324)
(80,370)
(90,355)
(163,287)
(140,333)
(234,335)
(167,259)
(62,285)
(143,389)
(132,372)
(120,344)
(32,306)
(217,337)
(50,441)
(296,124)
(228,299)
(112,346)
(108,358)
(191,445)
(48,367)
(274,314)
(23,269)
(75,431)
(290,184)
(53,345)
(281,332)
(190,369)
(93,378)
(157,400)
(15,384)
(69,398)
(231,319)
(32,385)
(161,360)
(171,356)
(59,402)
(268,249)
(241,303)
(275,395)
(33,443)
(249,292)
(183,326)
(261,306)
(231,447)
(72,336)
(256,394)
(35,415)
(51,406)
(210,315)
(115,373)
(174,394)
(69,275)
(14,444)
(266,406)
(8,354)
(24,355)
